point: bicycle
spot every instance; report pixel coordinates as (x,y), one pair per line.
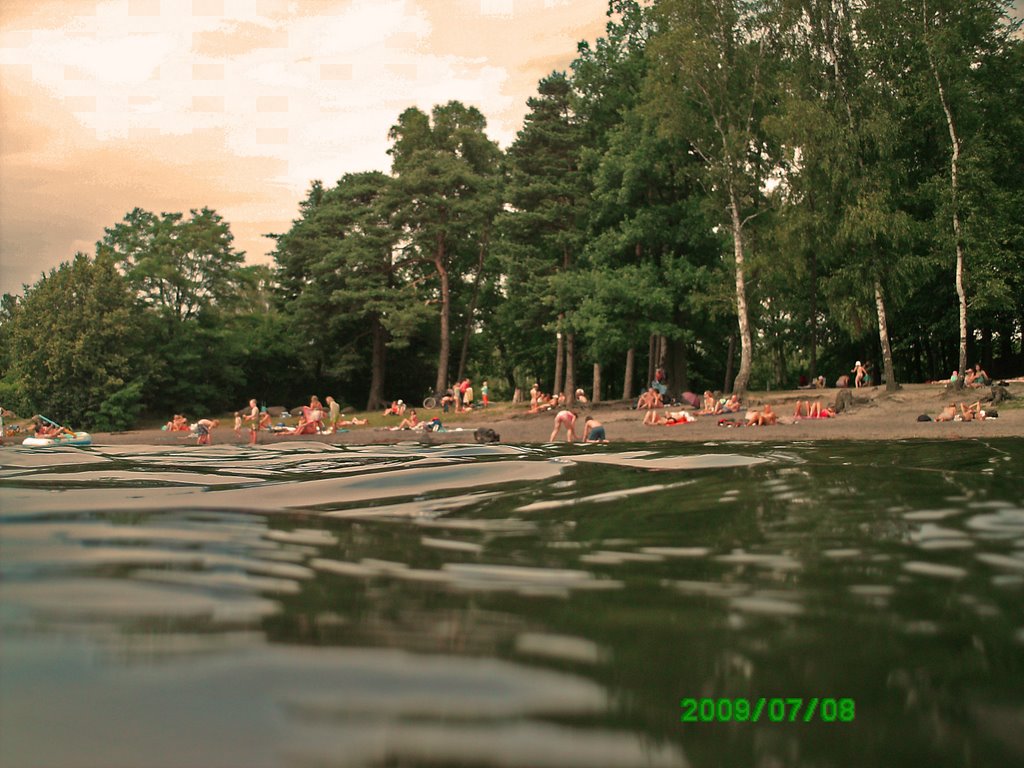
(432,401)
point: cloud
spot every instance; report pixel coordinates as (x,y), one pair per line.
(238,104)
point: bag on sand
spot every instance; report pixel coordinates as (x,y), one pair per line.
(924,417)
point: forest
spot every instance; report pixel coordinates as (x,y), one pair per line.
(745,193)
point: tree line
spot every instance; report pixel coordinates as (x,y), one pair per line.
(741,192)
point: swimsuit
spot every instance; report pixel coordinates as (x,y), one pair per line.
(597,433)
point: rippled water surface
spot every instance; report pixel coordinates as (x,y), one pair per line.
(309,605)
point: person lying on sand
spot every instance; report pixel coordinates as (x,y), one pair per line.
(971,412)
(948,413)
(763,418)
(355,421)
(805,408)
(670,419)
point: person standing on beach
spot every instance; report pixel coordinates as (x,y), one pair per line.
(567,419)
(860,372)
(484,392)
(334,414)
(467,396)
(254,418)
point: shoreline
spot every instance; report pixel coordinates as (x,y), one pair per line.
(875,415)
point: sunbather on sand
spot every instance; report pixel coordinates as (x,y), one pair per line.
(397,408)
(355,421)
(976,377)
(971,412)
(649,399)
(763,418)
(812,410)
(712,406)
(732,404)
(411,421)
(670,419)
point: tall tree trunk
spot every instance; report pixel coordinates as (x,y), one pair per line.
(678,368)
(556,386)
(627,380)
(472,310)
(595,394)
(746,344)
(883,337)
(570,368)
(510,374)
(813,340)
(954,169)
(985,353)
(446,310)
(1005,345)
(376,396)
(728,364)
(652,359)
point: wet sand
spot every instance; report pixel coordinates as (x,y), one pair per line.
(876,415)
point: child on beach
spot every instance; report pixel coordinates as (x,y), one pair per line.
(238,424)
(204,428)
(593,431)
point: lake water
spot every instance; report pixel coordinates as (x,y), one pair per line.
(308,605)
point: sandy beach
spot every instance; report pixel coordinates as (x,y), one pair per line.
(876,415)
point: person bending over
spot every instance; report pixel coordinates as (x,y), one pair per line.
(204,430)
(567,419)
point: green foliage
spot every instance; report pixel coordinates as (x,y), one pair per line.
(341,278)
(180,267)
(446,193)
(76,346)
(190,281)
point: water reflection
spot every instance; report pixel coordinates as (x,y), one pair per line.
(491,605)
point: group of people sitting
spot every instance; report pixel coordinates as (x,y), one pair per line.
(413,422)
(711,405)
(315,418)
(43,428)
(973,377)
(178,423)
(542,402)
(724,406)
(397,408)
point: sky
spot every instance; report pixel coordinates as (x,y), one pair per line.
(238,105)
